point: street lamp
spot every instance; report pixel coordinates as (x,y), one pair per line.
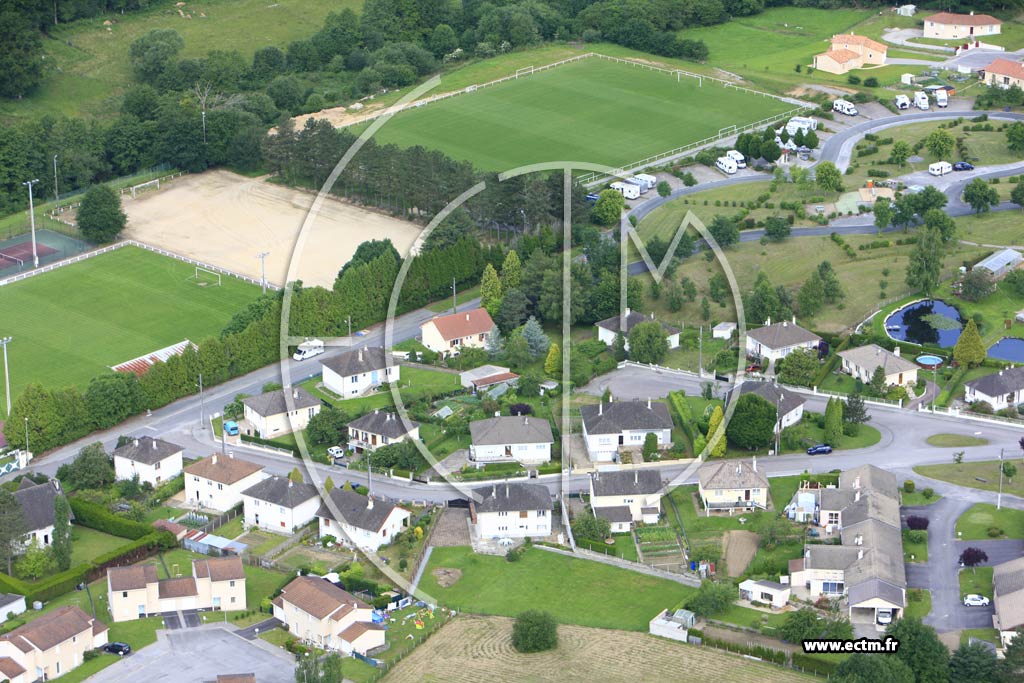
(56,191)
(4,341)
(26,434)
(32,218)
(202,407)
(262,256)
(999,496)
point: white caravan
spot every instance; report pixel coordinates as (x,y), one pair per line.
(627,190)
(921,100)
(741,161)
(726,165)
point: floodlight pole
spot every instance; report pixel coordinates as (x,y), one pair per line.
(32,218)
(4,341)
(56,190)
(262,256)
(202,406)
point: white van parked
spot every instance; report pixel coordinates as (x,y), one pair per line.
(942,98)
(649,180)
(627,190)
(902,102)
(726,165)
(921,100)
(940,168)
(741,161)
(844,107)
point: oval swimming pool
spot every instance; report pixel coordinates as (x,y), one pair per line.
(928,361)
(1008,348)
(928,321)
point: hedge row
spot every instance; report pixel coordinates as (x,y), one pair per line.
(830,364)
(96,516)
(821,667)
(682,409)
(766,653)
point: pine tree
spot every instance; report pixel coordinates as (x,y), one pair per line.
(537,341)
(553,363)
(62,533)
(619,347)
(495,343)
(718,450)
(969,349)
(490,290)
(12,528)
(878,381)
(511,271)
(328,484)
(834,422)
(295,475)
(855,413)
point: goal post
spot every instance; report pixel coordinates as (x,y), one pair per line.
(204,277)
(135,189)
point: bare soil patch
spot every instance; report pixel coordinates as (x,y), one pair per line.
(739,548)
(447,577)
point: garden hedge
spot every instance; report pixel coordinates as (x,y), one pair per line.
(96,516)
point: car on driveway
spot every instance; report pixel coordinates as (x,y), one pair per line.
(975,600)
(335,451)
(963,166)
(117,648)
(820,449)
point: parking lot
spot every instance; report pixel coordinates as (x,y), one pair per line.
(201,654)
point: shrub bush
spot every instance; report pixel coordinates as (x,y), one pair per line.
(917,522)
(534,631)
(994,532)
(909,486)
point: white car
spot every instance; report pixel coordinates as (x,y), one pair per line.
(975,600)
(883,616)
(335,451)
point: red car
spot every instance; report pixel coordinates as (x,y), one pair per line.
(753,367)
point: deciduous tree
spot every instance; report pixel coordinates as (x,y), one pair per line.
(900,153)
(647,343)
(980,196)
(714,423)
(940,143)
(828,177)
(12,528)
(799,367)
(753,422)
(100,218)
(925,264)
(553,362)
(871,668)
(921,650)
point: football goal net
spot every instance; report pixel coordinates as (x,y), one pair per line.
(205,277)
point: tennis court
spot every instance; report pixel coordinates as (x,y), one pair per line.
(16,252)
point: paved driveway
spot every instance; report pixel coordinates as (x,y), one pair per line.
(200,654)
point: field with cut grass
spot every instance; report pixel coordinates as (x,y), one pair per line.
(975,524)
(594,110)
(473,648)
(981,474)
(72,324)
(87,62)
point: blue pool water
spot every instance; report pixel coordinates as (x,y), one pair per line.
(929,361)
(908,324)
(1008,348)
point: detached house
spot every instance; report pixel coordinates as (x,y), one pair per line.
(509,510)
(361,521)
(951,26)
(1008,599)
(608,329)
(732,485)
(50,645)
(1000,389)
(624,498)
(280,505)
(380,428)
(152,460)
(849,51)
(789,404)
(607,427)
(217,482)
(1004,73)
(518,438)
(328,617)
(356,372)
(775,341)
(863,361)
(36,502)
(447,334)
(268,415)
(136,592)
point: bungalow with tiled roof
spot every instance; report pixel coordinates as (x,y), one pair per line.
(280,505)
(269,415)
(863,361)
(626,497)
(50,645)
(136,591)
(1004,73)
(1000,390)
(952,26)
(447,334)
(37,508)
(217,482)
(608,427)
(330,618)
(354,373)
(732,485)
(849,51)
(776,341)
(380,428)
(510,438)
(608,329)
(361,521)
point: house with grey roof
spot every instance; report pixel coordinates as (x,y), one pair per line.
(609,427)
(279,505)
(1000,390)
(510,510)
(516,438)
(36,502)
(355,372)
(279,412)
(732,485)
(1001,262)
(11,603)
(360,521)
(788,403)
(609,328)
(776,341)
(863,362)
(380,428)
(150,459)
(866,569)
(1008,599)
(626,497)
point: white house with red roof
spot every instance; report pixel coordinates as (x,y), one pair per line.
(1004,73)
(952,26)
(448,334)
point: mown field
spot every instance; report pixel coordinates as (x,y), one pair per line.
(474,648)
(72,324)
(593,110)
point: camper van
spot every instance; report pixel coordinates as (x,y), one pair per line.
(921,100)
(902,102)
(726,165)
(641,185)
(844,107)
(649,180)
(940,168)
(741,161)
(627,190)
(803,123)
(941,98)
(308,349)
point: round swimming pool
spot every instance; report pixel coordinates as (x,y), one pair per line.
(928,321)
(1008,348)
(929,362)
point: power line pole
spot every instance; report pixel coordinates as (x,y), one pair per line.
(999,497)
(202,406)
(4,341)
(700,352)
(262,256)
(32,218)
(26,435)
(455,300)
(56,190)
(348,319)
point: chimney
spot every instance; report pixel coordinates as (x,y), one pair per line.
(526,420)
(497,413)
(754,464)
(295,392)
(807,554)
(636,476)
(856,496)
(648,403)
(785,323)
(600,408)
(794,320)
(214,461)
(494,490)
(154,444)
(628,311)
(231,455)
(768,321)
(369,502)
(137,441)
(858,540)
(860,553)
(290,483)
(506,489)
(896,352)
(360,355)
(467,317)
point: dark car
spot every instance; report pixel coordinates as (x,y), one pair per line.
(820,449)
(117,648)
(963,166)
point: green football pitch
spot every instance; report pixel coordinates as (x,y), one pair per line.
(75,322)
(593,110)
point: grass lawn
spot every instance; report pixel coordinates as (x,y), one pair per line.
(75,322)
(919,603)
(626,547)
(977,580)
(88,543)
(994,309)
(917,498)
(955,441)
(574,591)
(983,474)
(162,512)
(89,62)
(137,633)
(751,618)
(560,113)
(87,669)
(1001,227)
(261,542)
(415,383)
(915,552)
(974,524)
(990,635)
(276,637)
(232,529)
(700,529)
